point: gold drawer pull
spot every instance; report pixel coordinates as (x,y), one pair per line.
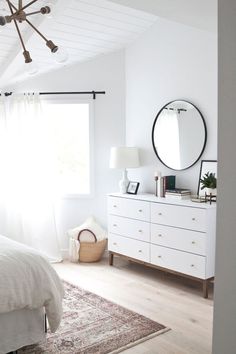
(140,231)
(160,214)
(140,211)
(140,251)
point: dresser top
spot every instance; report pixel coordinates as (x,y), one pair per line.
(152,198)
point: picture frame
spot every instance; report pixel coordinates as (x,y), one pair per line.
(206,166)
(133,187)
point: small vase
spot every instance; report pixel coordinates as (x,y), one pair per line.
(211,191)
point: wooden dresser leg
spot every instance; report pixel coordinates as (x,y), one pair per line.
(205,288)
(45,324)
(111,258)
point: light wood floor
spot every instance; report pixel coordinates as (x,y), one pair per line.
(173,301)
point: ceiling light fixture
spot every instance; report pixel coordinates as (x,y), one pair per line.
(19,15)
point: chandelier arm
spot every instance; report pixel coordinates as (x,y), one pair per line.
(20,15)
(22,8)
(17,27)
(29,4)
(29,23)
(36,30)
(20,36)
(33,13)
(13,13)
(13,7)
(49,43)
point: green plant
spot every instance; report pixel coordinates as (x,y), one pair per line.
(208,181)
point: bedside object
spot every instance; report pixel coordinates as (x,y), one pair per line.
(169,183)
(178,193)
(198,199)
(160,187)
(177,236)
(157,176)
(90,252)
(87,241)
(210,198)
(122,158)
(133,187)
(207,166)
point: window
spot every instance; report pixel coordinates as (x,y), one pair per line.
(69,131)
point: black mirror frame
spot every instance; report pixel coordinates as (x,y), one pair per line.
(205,129)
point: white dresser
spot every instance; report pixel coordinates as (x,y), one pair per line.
(177,236)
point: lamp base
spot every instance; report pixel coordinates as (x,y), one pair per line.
(124,182)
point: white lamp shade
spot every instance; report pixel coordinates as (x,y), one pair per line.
(124,157)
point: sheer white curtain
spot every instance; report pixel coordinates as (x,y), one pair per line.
(27,176)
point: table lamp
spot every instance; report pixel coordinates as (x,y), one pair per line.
(124,157)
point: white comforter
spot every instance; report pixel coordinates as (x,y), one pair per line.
(27,280)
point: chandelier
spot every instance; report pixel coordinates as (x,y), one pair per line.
(19,15)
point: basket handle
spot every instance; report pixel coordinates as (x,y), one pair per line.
(88,231)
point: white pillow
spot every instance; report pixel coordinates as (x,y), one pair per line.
(89,224)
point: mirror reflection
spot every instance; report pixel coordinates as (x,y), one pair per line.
(179,135)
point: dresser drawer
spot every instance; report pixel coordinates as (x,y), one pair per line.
(180,239)
(178,261)
(179,216)
(128,247)
(139,230)
(134,209)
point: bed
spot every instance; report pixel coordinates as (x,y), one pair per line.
(29,289)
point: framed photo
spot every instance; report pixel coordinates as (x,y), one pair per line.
(133,187)
(206,166)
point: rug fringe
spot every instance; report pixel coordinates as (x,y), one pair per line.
(144,339)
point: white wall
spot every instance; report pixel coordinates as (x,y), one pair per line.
(171,61)
(224,338)
(104,73)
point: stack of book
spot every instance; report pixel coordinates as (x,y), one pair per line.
(178,193)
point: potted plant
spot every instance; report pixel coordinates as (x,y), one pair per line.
(209,183)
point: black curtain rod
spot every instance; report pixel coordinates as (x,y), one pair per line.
(94,93)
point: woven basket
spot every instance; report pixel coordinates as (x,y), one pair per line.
(91,252)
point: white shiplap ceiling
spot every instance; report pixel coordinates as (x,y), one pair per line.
(201,14)
(86,28)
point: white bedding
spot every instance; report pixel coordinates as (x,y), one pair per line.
(21,328)
(27,281)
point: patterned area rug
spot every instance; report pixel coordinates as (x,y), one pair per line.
(94,325)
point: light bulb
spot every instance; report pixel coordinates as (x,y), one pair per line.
(3,21)
(53,9)
(31,68)
(61,55)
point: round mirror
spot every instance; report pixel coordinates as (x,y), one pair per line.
(179,135)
